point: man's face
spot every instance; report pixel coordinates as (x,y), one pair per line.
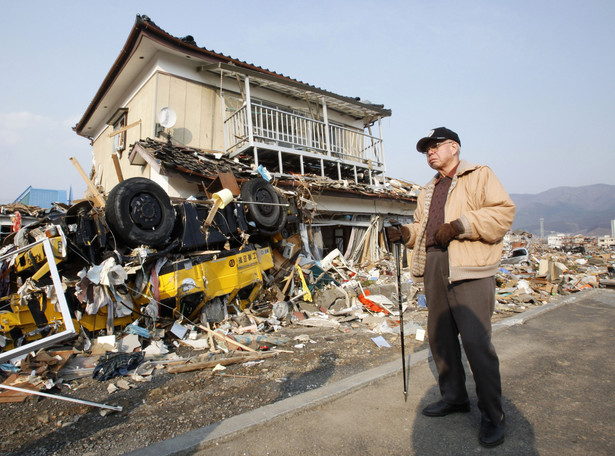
(442,155)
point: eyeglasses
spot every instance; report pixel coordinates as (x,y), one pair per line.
(436,146)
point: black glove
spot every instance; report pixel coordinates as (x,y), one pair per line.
(447,232)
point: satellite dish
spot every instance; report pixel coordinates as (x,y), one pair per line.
(167,117)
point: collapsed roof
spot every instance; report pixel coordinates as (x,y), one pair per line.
(166,158)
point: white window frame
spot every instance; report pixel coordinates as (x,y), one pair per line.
(119,140)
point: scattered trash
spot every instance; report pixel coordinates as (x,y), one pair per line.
(179,330)
(197,344)
(381,342)
(114,364)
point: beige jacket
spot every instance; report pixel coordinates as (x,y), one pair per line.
(477,198)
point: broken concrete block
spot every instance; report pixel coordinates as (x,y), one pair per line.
(307,307)
(327,297)
(123,384)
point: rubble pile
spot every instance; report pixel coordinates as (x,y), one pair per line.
(82,297)
(146,284)
(549,273)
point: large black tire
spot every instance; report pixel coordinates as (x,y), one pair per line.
(139,212)
(268,215)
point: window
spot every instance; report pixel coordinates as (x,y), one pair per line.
(119,121)
(5,230)
(119,140)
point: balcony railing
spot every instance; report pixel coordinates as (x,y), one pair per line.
(279,129)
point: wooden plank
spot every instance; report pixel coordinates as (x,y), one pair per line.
(99,200)
(226,339)
(364,253)
(226,180)
(290,276)
(8,396)
(223,362)
(123,129)
(118,168)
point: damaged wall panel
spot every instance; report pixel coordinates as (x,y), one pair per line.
(363,205)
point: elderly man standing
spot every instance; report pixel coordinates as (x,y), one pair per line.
(461,217)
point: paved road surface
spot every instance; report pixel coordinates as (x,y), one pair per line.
(558,371)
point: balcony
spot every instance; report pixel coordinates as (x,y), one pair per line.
(287,143)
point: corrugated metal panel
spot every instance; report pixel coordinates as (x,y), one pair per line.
(25,199)
(43,198)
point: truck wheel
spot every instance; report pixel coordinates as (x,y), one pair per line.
(268,215)
(139,211)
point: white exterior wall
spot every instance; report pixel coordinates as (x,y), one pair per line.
(555,240)
(177,66)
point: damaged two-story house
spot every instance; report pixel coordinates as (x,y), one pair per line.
(195,121)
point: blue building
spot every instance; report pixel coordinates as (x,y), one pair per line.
(41,197)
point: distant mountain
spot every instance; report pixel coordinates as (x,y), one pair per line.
(574,210)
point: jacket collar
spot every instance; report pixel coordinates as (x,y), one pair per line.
(462,168)
(465,167)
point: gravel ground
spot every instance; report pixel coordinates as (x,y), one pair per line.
(170,404)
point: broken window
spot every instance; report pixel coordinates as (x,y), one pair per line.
(119,121)
(119,140)
(5,230)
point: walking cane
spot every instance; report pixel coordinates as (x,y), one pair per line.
(397,250)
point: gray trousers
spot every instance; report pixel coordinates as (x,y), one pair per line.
(462,308)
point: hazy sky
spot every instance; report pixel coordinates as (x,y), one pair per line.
(528,85)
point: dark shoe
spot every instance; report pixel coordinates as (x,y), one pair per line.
(491,435)
(442,408)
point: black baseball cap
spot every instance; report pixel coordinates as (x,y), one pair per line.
(437,134)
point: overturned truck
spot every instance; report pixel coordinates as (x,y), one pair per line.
(140,258)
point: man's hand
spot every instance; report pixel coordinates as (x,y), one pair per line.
(446,233)
(398,233)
